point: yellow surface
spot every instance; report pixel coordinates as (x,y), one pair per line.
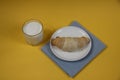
(20,61)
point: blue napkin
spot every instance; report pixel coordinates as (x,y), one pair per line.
(72,68)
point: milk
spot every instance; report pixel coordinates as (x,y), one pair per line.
(33,32)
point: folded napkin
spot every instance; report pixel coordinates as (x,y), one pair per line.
(72,68)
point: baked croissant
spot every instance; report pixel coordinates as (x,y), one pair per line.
(70,44)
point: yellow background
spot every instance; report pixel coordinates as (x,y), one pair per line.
(20,61)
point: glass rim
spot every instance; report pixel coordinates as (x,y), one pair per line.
(32,20)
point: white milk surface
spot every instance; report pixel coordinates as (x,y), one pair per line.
(32,28)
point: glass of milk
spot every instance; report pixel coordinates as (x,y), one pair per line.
(33,32)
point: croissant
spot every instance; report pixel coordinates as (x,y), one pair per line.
(70,44)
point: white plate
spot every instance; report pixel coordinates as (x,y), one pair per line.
(70,31)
